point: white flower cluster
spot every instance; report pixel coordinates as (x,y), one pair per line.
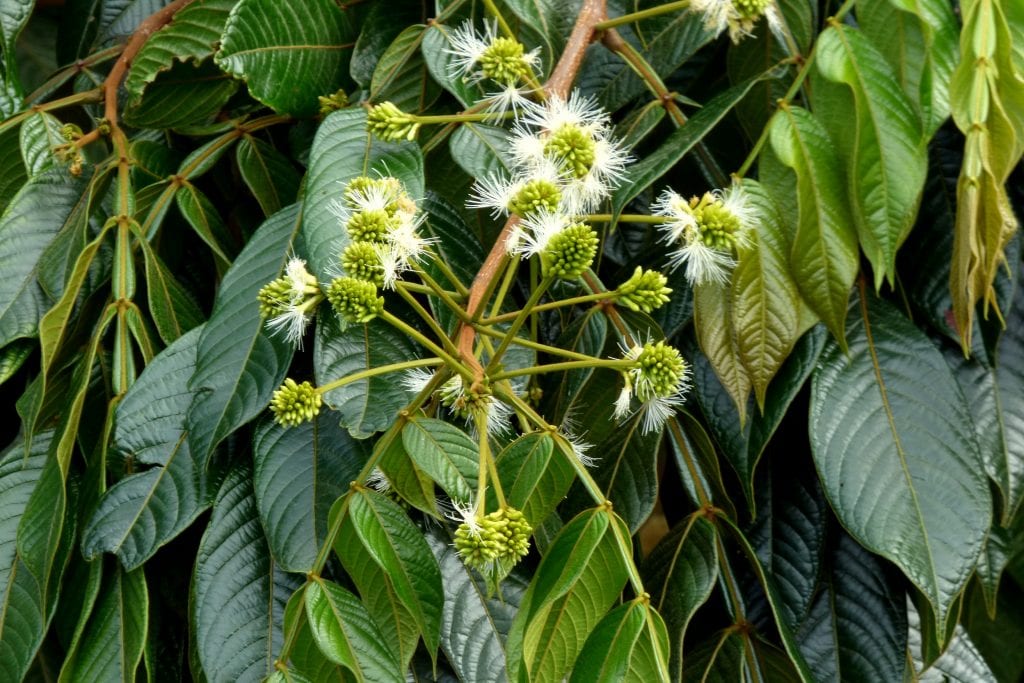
(504,62)
(288,302)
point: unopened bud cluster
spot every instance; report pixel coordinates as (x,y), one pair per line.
(295,403)
(501,537)
(645,291)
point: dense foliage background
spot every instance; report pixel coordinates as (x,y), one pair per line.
(839,498)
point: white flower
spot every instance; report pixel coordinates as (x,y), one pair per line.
(578,110)
(378,481)
(462,513)
(416,380)
(291,323)
(496,192)
(738,16)
(577,446)
(510,97)
(537,229)
(477,56)
(660,386)
(624,401)
(468,46)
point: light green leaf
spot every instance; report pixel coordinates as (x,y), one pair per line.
(368,405)
(680,574)
(713,324)
(345,633)
(238,365)
(299,472)
(824,256)
(577,581)
(856,629)
(379,29)
(445,453)
(884,155)
(270,176)
(960,663)
(111,648)
(14,15)
(919,40)
(287,53)
(399,549)
(191,36)
(172,307)
(144,511)
(341,151)
(615,650)
(238,591)
(33,218)
(474,625)
(403,476)
(891,412)
(533,477)
(482,150)
(13,356)
(440,63)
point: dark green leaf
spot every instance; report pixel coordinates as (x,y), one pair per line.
(40,135)
(299,472)
(895,448)
(713,325)
(960,663)
(440,63)
(13,17)
(481,150)
(533,477)
(239,593)
(615,647)
(288,54)
(368,405)
(12,169)
(824,258)
(346,634)
(172,307)
(680,574)
(238,365)
(205,219)
(856,629)
(884,155)
(112,646)
(191,36)
(187,94)
(143,511)
(401,75)
(341,151)
(270,176)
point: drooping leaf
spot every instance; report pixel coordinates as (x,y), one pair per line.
(270,176)
(856,628)
(112,647)
(187,94)
(191,36)
(894,445)
(823,260)
(203,216)
(474,625)
(288,54)
(445,453)
(173,309)
(399,549)
(919,40)
(341,151)
(960,663)
(298,473)
(626,644)
(345,633)
(239,592)
(578,579)
(680,574)
(713,324)
(143,511)
(369,405)
(239,365)
(534,477)
(884,156)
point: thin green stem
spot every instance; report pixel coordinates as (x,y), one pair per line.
(530,344)
(506,283)
(535,296)
(448,273)
(423,289)
(458,118)
(380,370)
(87,97)
(551,305)
(443,295)
(623,218)
(642,14)
(70,70)
(428,319)
(567,365)
(420,338)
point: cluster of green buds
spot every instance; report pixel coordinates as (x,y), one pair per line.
(658,378)
(389,123)
(295,403)
(499,60)
(707,232)
(645,290)
(331,103)
(288,302)
(500,538)
(739,17)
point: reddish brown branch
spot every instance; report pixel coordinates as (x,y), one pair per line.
(591,13)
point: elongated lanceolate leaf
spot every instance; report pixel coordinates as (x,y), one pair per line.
(445,453)
(401,76)
(238,363)
(823,260)
(299,472)
(630,643)
(239,592)
(895,448)
(288,54)
(713,323)
(960,663)
(143,511)
(341,151)
(270,175)
(347,635)
(884,155)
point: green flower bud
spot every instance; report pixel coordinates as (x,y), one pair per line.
(573,147)
(363,185)
(535,195)
(514,530)
(355,301)
(660,371)
(294,403)
(720,228)
(369,226)
(644,291)
(274,297)
(330,103)
(391,124)
(750,10)
(500,538)
(503,61)
(570,252)
(70,132)
(476,544)
(361,261)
